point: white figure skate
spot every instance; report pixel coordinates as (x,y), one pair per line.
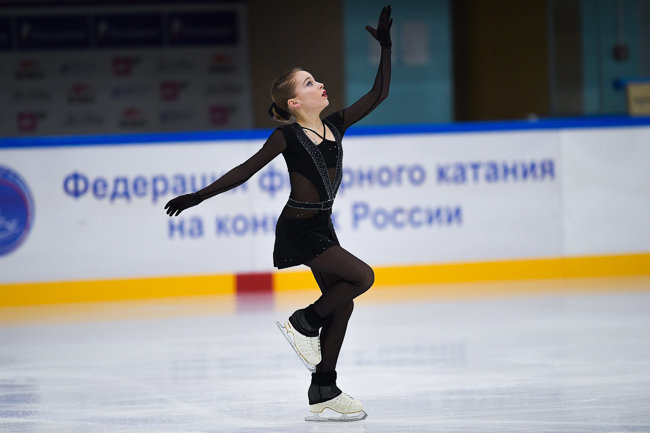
(307,348)
(341,408)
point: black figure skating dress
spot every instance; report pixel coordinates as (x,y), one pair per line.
(304,229)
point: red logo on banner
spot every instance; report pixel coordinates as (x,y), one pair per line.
(169,90)
(132,117)
(29,69)
(131,113)
(79,89)
(220,59)
(27,122)
(219,115)
(80,93)
(26,64)
(122,66)
(221,63)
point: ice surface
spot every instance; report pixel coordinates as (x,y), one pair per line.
(547,363)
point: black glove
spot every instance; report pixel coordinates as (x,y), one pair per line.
(382,33)
(177,205)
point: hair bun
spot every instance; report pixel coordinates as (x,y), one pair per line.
(277,112)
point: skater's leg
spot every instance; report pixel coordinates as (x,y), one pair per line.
(341,277)
(333,331)
(354,278)
(350,277)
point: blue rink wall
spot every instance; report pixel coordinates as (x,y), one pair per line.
(81,218)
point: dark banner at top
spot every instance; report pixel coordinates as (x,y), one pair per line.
(52,32)
(5,34)
(123,69)
(128,30)
(212,28)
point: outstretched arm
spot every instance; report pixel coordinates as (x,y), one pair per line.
(273,146)
(379,91)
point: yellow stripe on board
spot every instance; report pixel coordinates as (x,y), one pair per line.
(112,290)
(21,294)
(531,269)
(633,264)
(124,309)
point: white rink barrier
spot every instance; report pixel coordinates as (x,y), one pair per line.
(91,211)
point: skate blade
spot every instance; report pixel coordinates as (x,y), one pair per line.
(283,330)
(332,416)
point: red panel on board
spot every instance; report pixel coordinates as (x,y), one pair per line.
(261,282)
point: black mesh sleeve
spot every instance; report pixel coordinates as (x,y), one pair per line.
(274,145)
(373,98)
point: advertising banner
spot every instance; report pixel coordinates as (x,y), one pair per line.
(92,212)
(97,211)
(97,70)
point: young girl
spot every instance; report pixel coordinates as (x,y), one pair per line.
(312,149)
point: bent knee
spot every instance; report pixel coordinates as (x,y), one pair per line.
(371,277)
(368,279)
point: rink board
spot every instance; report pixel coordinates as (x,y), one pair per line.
(231,286)
(419,206)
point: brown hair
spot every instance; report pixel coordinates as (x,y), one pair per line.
(282,90)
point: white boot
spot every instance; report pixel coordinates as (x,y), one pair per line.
(307,348)
(345,408)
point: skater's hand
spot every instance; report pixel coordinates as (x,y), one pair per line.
(177,205)
(382,32)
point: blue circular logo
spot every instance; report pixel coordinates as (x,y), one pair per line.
(16,210)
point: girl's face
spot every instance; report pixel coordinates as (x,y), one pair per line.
(310,94)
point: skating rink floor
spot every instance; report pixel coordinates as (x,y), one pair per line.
(551,356)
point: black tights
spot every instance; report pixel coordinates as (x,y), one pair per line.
(341,277)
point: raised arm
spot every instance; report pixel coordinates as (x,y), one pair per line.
(273,146)
(379,91)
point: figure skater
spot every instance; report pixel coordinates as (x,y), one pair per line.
(304,233)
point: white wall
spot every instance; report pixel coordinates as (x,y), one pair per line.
(606,191)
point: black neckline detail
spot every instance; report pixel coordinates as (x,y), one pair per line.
(309,129)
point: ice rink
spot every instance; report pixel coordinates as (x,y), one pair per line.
(563,357)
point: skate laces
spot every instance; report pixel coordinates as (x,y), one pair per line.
(314,345)
(346,403)
(308,347)
(317,343)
